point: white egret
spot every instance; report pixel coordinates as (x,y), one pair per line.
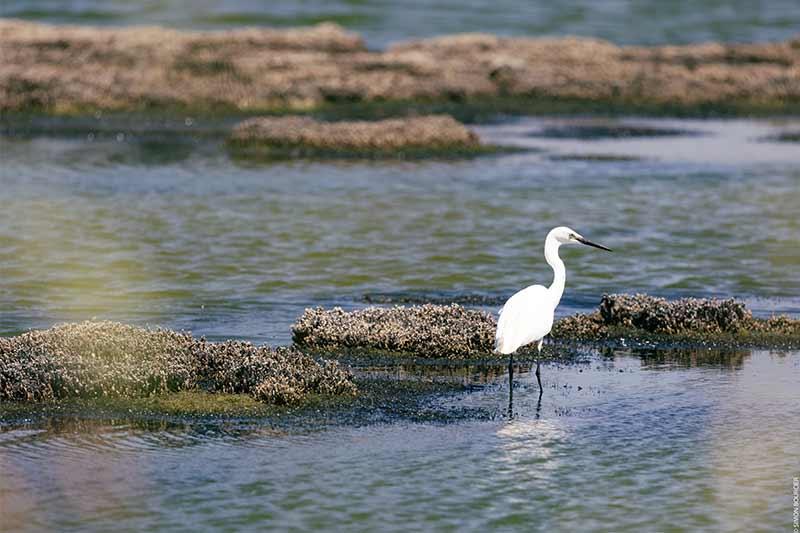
(528,315)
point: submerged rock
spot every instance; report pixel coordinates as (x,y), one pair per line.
(590,132)
(595,158)
(69,69)
(785,137)
(94,359)
(294,135)
(452,331)
(444,298)
(426,330)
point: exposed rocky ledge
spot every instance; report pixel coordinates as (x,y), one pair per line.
(107,359)
(427,330)
(293,136)
(455,332)
(74,69)
(687,319)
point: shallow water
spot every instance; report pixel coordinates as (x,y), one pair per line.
(620,442)
(152,222)
(382,21)
(116,222)
(112,221)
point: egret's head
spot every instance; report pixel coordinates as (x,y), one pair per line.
(565,235)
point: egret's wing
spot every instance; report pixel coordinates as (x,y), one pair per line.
(526,317)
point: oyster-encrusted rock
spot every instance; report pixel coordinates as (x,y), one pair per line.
(456,332)
(425,330)
(72,69)
(304,135)
(92,359)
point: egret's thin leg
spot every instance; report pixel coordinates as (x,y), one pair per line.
(510,370)
(538,374)
(511,386)
(539,404)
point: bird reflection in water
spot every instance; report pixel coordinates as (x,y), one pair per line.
(511,394)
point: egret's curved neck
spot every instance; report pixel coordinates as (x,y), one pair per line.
(559,272)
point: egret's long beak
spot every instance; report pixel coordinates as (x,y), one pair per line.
(587,242)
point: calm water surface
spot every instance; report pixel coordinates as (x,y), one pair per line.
(134,225)
(155,223)
(167,229)
(386,21)
(617,443)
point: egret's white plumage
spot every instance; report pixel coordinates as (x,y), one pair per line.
(528,315)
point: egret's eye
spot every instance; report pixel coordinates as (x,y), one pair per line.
(572,236)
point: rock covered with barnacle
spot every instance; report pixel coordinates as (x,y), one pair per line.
(702,318)
(659,315)
(301,135)
(93,359)
(71,69)
(453,331)
(427,330)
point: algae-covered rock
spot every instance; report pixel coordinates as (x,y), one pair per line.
(780,326)
(95,359)
(69,69)
(455,332)
(426,330)
(304,136)
(107,359)
(658,315)
(591,70)
(72,69)
(274,375)
(705,319)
